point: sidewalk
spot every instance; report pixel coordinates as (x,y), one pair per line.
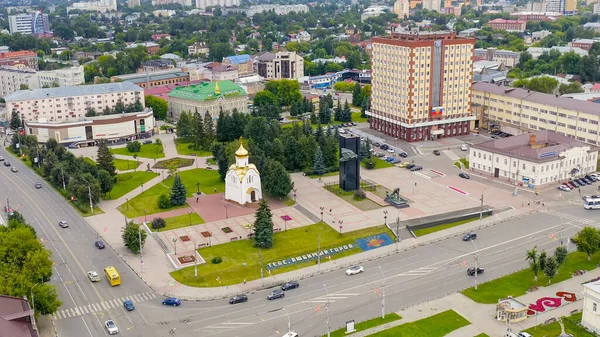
(482,316)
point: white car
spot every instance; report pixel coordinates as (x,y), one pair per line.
(390,150)
(464,147)
(564,188)
(111,327)
(63,224)
(523,334)
(355,270)
(93,276)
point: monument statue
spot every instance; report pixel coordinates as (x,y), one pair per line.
(395,199)
(347,155)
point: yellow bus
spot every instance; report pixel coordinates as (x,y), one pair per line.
(112,275)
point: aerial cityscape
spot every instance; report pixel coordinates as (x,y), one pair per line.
(228,168)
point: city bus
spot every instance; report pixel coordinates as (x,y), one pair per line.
(112,275)
(592,202)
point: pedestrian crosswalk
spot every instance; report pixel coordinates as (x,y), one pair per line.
(331,298)
(419,271)
(102,306)
(571,217)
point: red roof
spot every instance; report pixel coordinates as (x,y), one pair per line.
(596,87)
(500,20)
(163,91)
(16,54)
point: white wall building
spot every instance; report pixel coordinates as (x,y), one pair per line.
(432,5)
(101,6)
(29,23)
(213,3)
(11,78)
(537,159)
(591,307)
(242,182)
(70,103)
(277,9)
(280,65)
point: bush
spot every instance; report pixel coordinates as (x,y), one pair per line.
(216,260)
(370,164)
(158,223)
(327,170)
(134,146)
(359,195)
(164,201)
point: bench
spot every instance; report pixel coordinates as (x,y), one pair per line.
(276,229)
(533,288)
(233,239)
(550,321)
(202,245)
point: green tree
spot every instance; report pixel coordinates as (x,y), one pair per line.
(119,106)
(132,235)
(365,149)
(319,163)
(90,112)
(543,257)
(533,258)
(15,120)
(198,131)
(276,181)
(105,160)
(571,88)
(337,112)
(346,113)
(587,241)
(550,268)
(363,109)
(107,181)
(263,226)
(23,86)
(184,127)
(217,51)
(292,161)
(164,201)
(209,131)
(560,254)
(134,146)
(356,95)
(158,223)
(286,91)
(159,106)
(178,192)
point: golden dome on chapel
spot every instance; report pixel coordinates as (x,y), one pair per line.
(241,152)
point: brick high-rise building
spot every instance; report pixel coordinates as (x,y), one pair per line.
(421,85)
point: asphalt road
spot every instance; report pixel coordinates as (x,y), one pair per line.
(410,277)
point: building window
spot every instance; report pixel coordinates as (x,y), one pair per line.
(523,166)
(594,307)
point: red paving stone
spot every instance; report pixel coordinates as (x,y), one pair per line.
(211,207)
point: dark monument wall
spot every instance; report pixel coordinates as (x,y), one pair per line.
(350,170)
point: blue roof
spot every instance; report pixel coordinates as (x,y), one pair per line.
(238,59)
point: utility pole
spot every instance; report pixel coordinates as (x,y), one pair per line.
(397,233)
(475,254)
(289,320)
(327,310)
(195,261)
(90,194)
(481,209)
(382,293)
(262,281)
(141,252)
(319,254)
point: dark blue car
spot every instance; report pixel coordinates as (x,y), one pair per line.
(171,301)
(128,305)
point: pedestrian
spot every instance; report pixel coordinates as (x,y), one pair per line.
(522,204)
(244,281)
(215,190)
(529,203)
(197,200)
(415,184)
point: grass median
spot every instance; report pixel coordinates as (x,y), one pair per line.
(434,326)
(181,221)
(429,230)
(127,182)
(152,151)
(379,163)
(519,283)
(368,324)
(120,164)
(185,150)
(241,259)
(571,323)
(148,201)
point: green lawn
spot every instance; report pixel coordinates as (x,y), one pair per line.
(365,204)
(124,164)
(356,118)
(89,160)
(429,230)
(181,221)
(184,150)
(127,182)
(571,324)
(434,326)
(177,162)
(241,260)
(518,283)
(379,163)
(328,174)
(482,335)
(367,324)
(152,151)
(208,179)
(465,162)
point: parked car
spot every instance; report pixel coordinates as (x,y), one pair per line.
(416,168)
(564,188)
(128,304)
(390,150)
(290,285)
(6,164)
(574,183)
(464,175)
(436,152)
(523,334)
(471,271)
(355,270)
(588,181)
(376,144)
(148,141)
(582,181)
(111,327)
(1,158)
(37,185)
(63,224)
(469,236)
(402,165)
(14,169)
(403,154)
(171,301)
(592,178)
(277,293)
(238,299)
(410,165)
(384,147)
(73,146)
(569,185)
(464,147)
(396,161)
(93,276)
(99,244)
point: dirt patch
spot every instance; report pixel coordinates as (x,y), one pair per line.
(186,259)
(184,238)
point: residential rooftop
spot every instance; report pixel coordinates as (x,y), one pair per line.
(95,89)
(538,147)
(238,59)
(159,77)
(208,91)
(538,97)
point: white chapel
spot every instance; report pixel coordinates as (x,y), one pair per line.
(242,182)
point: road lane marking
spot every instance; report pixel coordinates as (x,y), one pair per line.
(235,323)
(104,306)
(97,308)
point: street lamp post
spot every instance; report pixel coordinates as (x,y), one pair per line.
(145,216)
(476,257)
(327,310)
(397,233)
(289,320)
(175,244)
(385,217)
(319,253)
(481,209)
(340,222)
(195,260)
(262,274)
(127,201)
(226,212)
(321,208)
(198,185)
(142,185)
(294,194)
(190,213)
(32,296)
(382,293)
(141,252)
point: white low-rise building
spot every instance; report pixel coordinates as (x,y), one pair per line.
(12,79)
(533,160)
(591,307)
(71,103)
(101,6)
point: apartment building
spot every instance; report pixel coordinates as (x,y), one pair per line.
(508,25)
(533,160)
(134,3)
(280,65)
(13,79)
(509,58)
(29,23)
(432,5)
(585,44)
(68,103)
(402,8)
(198,48)
(101,6)
(19,59)
(520,110)
(421,85)
(213,3)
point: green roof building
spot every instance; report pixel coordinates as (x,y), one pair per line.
(208,97)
